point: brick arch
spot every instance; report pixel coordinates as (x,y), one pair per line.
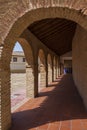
(5,78)
(37,11)
(28,51)
(41,69)
(49,63)
(8,48)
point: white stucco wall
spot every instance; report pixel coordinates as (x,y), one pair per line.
(18,66)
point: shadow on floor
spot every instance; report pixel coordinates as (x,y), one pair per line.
(58,102)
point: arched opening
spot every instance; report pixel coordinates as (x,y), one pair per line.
(18,77)
(49,61)
(29,74)
(41,70)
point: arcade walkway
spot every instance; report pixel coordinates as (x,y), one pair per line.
(58,107)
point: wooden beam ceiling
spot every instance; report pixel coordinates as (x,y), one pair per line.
(56,34)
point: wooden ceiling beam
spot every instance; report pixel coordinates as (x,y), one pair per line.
(57,34)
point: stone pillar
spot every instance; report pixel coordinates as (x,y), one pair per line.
(42,76)
(54,69)
(49,64)
(49,74)
(30,81)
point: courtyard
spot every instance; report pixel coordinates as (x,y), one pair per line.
(18,89)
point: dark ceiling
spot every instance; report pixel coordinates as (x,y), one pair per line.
(56,34)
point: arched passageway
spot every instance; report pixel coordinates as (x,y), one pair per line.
(18,18)
(41,70)
(29,67)
(49,60)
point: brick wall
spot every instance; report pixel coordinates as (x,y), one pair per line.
(79,55)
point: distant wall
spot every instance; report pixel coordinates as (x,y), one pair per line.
(18,66)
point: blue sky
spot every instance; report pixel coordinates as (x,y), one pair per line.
(17,47)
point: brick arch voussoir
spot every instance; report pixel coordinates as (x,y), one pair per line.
(30,15)
(8,49)
(28,51)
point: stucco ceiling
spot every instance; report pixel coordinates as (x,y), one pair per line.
(56,34)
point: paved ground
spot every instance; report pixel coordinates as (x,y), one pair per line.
(18,88)
(58,107)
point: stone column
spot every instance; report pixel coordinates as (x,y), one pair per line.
(42,76)
(54,68)
(30,81)
(49,73)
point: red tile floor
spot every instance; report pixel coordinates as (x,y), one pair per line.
(58,107)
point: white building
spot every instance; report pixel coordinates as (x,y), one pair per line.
(18,62)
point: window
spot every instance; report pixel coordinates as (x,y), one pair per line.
(23,59)
(14,59)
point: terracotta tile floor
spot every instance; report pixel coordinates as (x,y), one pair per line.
(58,107)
